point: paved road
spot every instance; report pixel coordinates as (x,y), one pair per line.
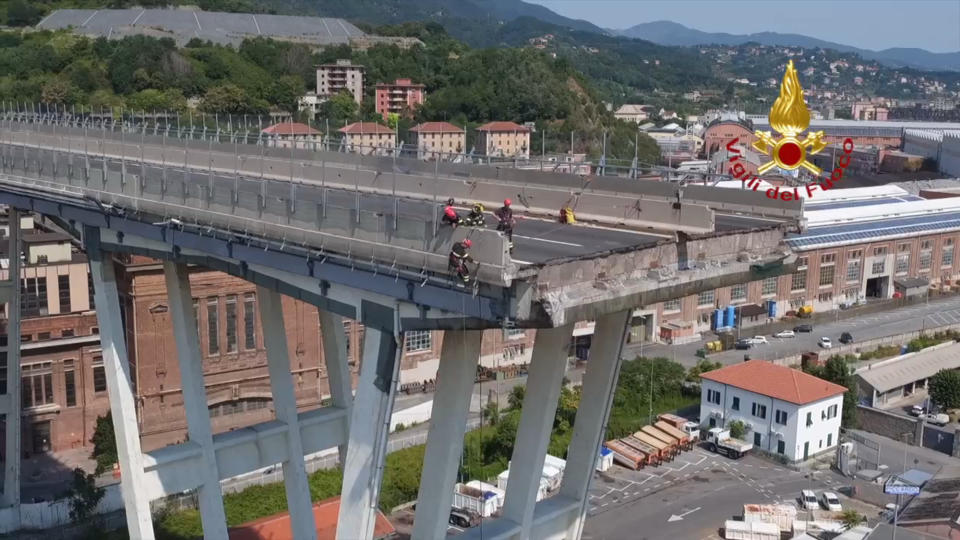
(704,488)
(536,240)
(897,321)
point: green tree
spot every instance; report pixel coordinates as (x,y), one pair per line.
(60,91)
(151,99)
(491,412)
(515,398)
(702,366)
(945,388)
(851,518)
(104,443)
(286,92)
(22,13)
(838,371)
(231,99)
(340,108)
(738,430)
(84,496)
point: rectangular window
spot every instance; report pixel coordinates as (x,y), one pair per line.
(672,305)
(706,298)
(878,267)
(829,439)
(831,412)
(903,263)
(249,321)
(925,244)
(738,292)
(713,396)
(33,296)
(809,419)
(760,411)
(69,383)
(37,385)
(925,259)
(879,251)
(854,254)
(213,326)
(418,340)
(828,258)
(90,290)
(825,297)
(781,417)
(231,308)
(946,258)
(799,280)
(99,376)
(801,262)
(826,275)
(63,286)
(781,447)
(769,286)
(853,270)
(516,333)
(736,404)
(903,248)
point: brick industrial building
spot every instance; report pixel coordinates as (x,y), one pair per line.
(63,380)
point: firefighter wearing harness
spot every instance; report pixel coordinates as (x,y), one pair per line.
(506,221)
(475,217)
(567,217)
(450,215)
(459,257)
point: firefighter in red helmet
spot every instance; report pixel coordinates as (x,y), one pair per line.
(459,257)
(506,221)
(450,215)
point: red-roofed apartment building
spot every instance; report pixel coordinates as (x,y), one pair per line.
(503,139)
(438,140)
(399,97)
(787,411)
(299,135)
(368,138)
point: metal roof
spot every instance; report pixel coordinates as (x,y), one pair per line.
(184,24)
(912,367)
(867,231)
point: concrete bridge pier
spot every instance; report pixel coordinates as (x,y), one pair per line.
(369,424)
(136,499)
(210,497)
(448,421)
(10,404)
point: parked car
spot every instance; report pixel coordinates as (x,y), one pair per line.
(830,501)
(785,334)
(846,338)
(803,328)
(917,410)
(938,419)
(743,344)
(825,343)
(463,518)
(759,340)
(808,501)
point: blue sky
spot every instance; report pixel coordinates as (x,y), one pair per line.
(870,24)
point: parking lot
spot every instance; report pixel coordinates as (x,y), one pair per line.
(691,496)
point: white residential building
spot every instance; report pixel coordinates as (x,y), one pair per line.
(343,75)
(786,411)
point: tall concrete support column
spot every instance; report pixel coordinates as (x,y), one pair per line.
(195,397)
(369,428)
(285,409)
(136,500)
(599,384)
(448,422)
(547,365)
(11,405)
(338,371)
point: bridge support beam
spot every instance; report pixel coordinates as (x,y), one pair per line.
(451,403)
(599,382)
(195,397)
(136,500)
(285,409)
(369,428)
(338,370)
(11,404)
(544,381)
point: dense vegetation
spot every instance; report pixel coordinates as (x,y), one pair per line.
(945,388)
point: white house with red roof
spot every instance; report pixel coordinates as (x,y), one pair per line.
(369,138)
(438,140)
(285,134)
(786,411)
(503,139)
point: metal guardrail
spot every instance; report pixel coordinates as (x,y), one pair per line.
(297,214)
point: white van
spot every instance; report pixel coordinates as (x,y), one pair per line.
(808,500)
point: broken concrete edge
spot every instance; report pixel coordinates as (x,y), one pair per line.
(585,288)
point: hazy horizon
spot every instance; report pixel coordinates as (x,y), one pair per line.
(933,25)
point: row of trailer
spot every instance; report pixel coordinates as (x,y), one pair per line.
(655,444)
